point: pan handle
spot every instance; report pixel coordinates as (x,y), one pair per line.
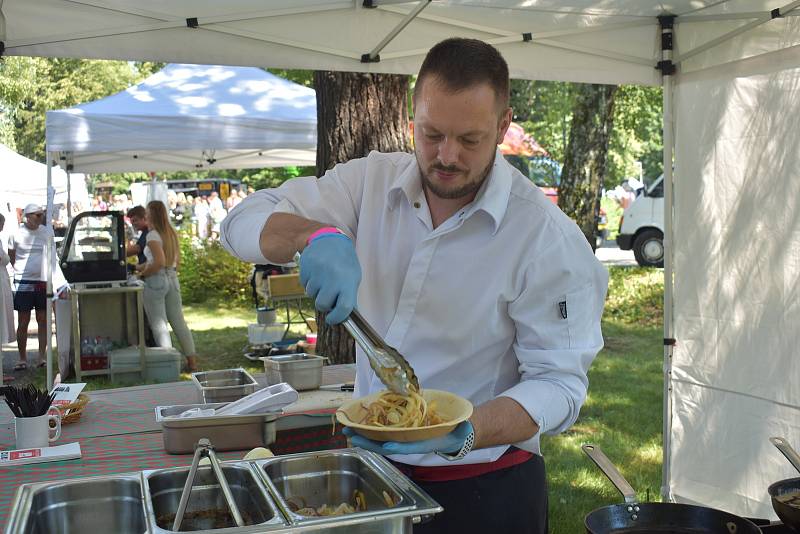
(787,451)
(601,460)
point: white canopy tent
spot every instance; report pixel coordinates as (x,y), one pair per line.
(191,117)
(24,181)
(732,235)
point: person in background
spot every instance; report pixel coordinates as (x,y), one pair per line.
(162,290)
(201,213)
(217,212)
(7,333)
(26,253)
(232,200)
(190,223)
(179,212)
(138,218)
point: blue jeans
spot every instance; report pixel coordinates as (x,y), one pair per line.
(162,302)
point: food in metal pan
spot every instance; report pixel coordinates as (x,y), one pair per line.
(204,519)
(792,498)
(298,505)
(401,411)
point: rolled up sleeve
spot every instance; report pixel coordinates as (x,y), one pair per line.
(332,199)
(240,231)
(557,316)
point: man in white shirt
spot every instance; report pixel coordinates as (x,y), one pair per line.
(26,251)
(467,269)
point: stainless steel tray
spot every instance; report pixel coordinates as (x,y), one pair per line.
(224,385)
(301,371)
(99,504)
(226,432)
(330,477)
(135,503)
(206,510)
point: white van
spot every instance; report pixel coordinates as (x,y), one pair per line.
(642,226)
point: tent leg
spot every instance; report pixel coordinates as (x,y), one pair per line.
(69,197)
(49,257)
(669,343)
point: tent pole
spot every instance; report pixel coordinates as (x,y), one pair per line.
(49,252)
(69,197)
(373,54)
(667,70)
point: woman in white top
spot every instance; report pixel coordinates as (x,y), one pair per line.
(7,331)
(162,291)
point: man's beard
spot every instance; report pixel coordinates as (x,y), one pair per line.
(464,190)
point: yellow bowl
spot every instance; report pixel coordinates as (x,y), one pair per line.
(451,407)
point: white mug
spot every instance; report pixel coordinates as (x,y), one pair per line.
(35,432)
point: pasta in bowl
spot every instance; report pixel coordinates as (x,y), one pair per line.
(386,416)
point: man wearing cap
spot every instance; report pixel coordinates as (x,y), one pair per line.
(26,250)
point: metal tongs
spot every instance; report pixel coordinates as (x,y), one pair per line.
(390,366)
(204,448)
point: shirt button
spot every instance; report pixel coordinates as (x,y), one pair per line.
(417,204)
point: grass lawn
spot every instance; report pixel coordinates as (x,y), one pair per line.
(622,414)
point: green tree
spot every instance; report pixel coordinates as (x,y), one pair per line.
(356,113)
(585,162)
(31,86)
(638,122)
(302,77)
(545,110)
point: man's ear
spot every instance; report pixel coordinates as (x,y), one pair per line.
(505,122)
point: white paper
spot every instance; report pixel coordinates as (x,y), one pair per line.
(66,393)
(37,455)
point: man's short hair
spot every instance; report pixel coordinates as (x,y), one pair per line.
(460,63)
(138,212)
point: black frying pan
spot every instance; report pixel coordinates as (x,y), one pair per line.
(785,494)
(635,518)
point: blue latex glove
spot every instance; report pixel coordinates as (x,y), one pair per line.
(448,444)
(330,272)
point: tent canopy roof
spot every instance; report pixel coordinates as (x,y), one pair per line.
(24,180)
(601,41)
(190,115)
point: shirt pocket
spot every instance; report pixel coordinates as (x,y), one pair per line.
(578,309)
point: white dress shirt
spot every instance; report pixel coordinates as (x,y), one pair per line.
(502,299)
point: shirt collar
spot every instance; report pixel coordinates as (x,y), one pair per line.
(495,192)
(408,184)
(492,198)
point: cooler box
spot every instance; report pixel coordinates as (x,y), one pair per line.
(163,364)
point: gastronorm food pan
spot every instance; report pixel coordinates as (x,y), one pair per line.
(332,477)
(206,509)
(81,505)
(301,371)
(226,432)
(224,385)
(144,502)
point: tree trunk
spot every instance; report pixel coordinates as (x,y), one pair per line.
(585,159)
(356,113)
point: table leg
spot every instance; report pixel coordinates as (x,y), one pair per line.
(140,319)
(76,335)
